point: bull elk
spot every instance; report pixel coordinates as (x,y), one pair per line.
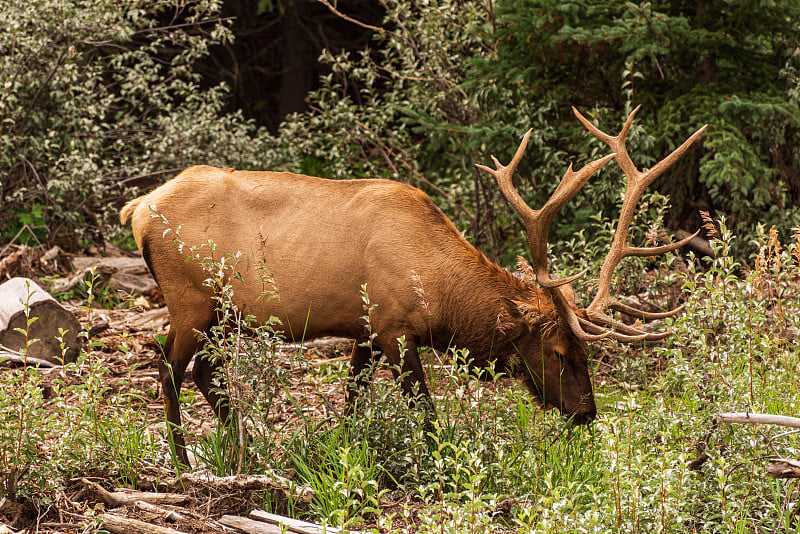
(320,240)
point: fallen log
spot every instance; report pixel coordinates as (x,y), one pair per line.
(248,482)
(118,263)
(98,276)
(150,320)
(295,525)
(249,526)
(116,524)
(697,243)
(128,274)
(266,523)
(22,300)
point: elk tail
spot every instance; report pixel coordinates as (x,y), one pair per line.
(127,210)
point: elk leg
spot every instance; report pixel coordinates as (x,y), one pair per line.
(203,374)
(414,384)
(362,370)
(179,348)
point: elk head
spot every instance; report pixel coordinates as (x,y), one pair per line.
(563,345)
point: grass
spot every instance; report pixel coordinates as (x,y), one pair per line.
(656,460)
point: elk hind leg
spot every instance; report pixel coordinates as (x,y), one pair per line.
(179,349)
(203,373)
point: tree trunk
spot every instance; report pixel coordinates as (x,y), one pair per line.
(297,62)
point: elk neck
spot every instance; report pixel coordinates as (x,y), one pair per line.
(472,315)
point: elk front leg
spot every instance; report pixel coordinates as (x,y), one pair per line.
(362,370)
(414,383)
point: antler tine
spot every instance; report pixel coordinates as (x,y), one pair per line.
(504,175)
(658,169)
(590,326)
(617,143)
(646,252)
(573,321)
(624,338)
(539,228)
(618,327)
(641,314)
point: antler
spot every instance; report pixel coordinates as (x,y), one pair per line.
(596,325)
(637,182)
(537,223)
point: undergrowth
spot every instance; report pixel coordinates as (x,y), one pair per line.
(657,459)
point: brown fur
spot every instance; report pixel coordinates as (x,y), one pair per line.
(320,240)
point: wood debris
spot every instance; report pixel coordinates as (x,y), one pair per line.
(261,522)
(783,468)
(759,419)
(125,497)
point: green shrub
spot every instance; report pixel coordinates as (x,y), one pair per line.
(95,99)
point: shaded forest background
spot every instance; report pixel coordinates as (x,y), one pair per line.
(98,103)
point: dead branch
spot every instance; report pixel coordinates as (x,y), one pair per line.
(59,526)
(759,419)
(341,15)
(14,356)
(315,343)
(167,515)
(9,264)
(123,497)
(323,361)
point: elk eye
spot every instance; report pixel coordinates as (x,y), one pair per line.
(559,355)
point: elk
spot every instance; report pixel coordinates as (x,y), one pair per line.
(320,240)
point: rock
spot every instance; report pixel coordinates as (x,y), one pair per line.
(20,294)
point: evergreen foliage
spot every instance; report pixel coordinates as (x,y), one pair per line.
(732,65)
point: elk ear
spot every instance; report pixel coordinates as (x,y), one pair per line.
(523,312)
(513,308)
